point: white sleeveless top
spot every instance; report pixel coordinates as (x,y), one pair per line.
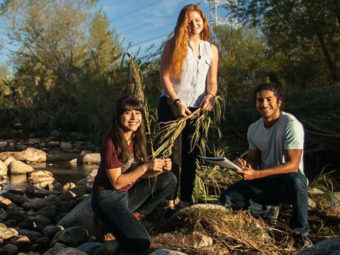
(190,88)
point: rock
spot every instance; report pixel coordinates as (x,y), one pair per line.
(45,202)
(3,168)
(55,249)
(107,248)
(205,206)
(40,178)
(18,167)
(70,251)
(4,202)
(171,240)
(166,252)
(41,220)
(21,242)
(329,246)
(50,230)
(9,249)
(67,196)
(31,154)
(9,160)
(27,224)
(53,144)
(7,233)
(68,186)
(32,141)
(16,213)
(81,215)
(15,198)
(315,191)
(3,145)
(89,247)
(88,180)
(49,212)
(65,146)
(72,236)
(311,203)
(79,190)
(91,158)
(74,161)
(31,234)
(3,214)
(18,181)
(30,190)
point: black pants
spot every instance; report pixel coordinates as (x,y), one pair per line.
(183,161)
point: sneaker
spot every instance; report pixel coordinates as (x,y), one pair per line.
(302,242)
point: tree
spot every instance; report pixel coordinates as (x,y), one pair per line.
(299,26)
(243,60)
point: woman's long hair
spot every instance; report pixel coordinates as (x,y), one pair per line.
(117,131)
(179,42)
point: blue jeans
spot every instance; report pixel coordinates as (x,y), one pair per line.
(260,195)
(115,209)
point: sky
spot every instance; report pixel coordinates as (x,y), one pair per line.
(140,23)
(145,22)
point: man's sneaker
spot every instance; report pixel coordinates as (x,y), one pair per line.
(302,242)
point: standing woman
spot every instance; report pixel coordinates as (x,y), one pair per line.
(125,187)
(188,76)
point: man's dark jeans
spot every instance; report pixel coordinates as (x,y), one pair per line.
(259,196)
(115,209)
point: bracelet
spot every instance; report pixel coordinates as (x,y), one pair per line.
(177,101)
(210,93)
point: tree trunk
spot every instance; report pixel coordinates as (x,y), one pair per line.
(329,61)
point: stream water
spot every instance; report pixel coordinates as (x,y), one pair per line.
(63,172)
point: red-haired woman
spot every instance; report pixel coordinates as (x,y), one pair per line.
(188,76)
(125,187)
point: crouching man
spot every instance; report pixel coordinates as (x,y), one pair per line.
(273,171)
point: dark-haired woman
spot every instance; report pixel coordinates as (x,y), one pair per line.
(125,187)
(189,80)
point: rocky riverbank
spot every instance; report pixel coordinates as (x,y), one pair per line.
(49,218)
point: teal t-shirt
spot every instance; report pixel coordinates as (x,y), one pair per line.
(286,134)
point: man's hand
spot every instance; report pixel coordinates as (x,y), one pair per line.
(249,173)
(241,162)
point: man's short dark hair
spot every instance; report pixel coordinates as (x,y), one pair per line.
(277,89)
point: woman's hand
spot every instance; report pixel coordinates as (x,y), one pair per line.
(208,103)
(156,164)
(182,110)
(167,164)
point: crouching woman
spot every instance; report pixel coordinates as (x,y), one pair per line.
(128,185)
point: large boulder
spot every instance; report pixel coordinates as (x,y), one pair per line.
(88,180)
(18,167)
(81,215)
(7,233)
(72,236)
(91,158)
(31,154)
(175,241)
(329,246)
(3,168)
(40,178)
